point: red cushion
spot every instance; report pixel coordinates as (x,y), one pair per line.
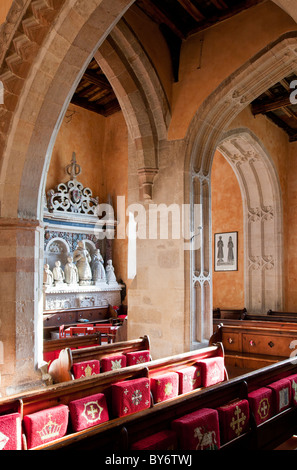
(46,425)
(281,393)
(164,386)
(234,419)
(11,432)
(198,430)
(88,411)
(130,396)
(293,380)
(261,404)
(212,370)
(113,362)
(163,440)
(189,378)
(86,369)
(51,356)
(137,357)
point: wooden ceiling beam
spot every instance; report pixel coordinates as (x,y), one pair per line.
(93,78)
(224,15)
(192,10)
(271,104)
(112,107)
(158,16)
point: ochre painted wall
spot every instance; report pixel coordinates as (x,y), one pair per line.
(227,216)
(4,8)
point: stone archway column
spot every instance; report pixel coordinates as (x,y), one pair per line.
(20,244)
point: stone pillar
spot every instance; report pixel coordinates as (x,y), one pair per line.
(21,334)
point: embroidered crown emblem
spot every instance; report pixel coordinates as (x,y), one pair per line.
(50,430)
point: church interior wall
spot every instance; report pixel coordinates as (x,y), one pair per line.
(158,293)
(227,216)
(225,48)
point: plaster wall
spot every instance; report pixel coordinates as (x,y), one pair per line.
(225,48)
(227,216)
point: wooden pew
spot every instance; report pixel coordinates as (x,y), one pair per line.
(235,314)
(119,434)
(61,369)
(63,393)
(252,344)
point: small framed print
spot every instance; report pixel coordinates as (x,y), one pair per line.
(226,251)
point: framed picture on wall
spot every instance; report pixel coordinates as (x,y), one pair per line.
(226,251)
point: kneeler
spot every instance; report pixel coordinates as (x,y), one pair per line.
(198,430)
(189,378)
(234,419)
(86,369)
(113,362)
(164,386)
(46,425)
(163,440)
(137,357)
(212,370)
(281,393)
(130,396)
(293,380)
(11,432)
(88,411)
(261,404)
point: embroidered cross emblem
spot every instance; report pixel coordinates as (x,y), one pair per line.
(136,397)
(236,422)
(92,411)
(263,408)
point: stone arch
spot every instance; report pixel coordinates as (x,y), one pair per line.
(40,70)
(140,93)
(263,221)
(205,133)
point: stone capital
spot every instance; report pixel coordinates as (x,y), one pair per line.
(146,178)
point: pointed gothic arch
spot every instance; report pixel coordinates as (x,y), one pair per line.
(263,219)
(38,89)
(204,136)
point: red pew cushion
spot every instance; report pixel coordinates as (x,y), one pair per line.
(234,419)
(113,362)
(164,386)
(130,396)
(293,380)
(86,369)
(212,370)
(137,357)
(189,378)
(46,425)
(11,432)
(198,430)
(163,440)
(88,411)
(281,393)
(261,404)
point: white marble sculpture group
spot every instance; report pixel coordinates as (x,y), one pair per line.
(81,269)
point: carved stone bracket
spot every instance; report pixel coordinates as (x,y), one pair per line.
(146,180)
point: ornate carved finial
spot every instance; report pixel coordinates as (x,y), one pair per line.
(74,169)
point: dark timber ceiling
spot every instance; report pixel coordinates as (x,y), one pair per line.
(177,20)
(276,104)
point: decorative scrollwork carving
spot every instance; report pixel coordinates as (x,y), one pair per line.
(72,196)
